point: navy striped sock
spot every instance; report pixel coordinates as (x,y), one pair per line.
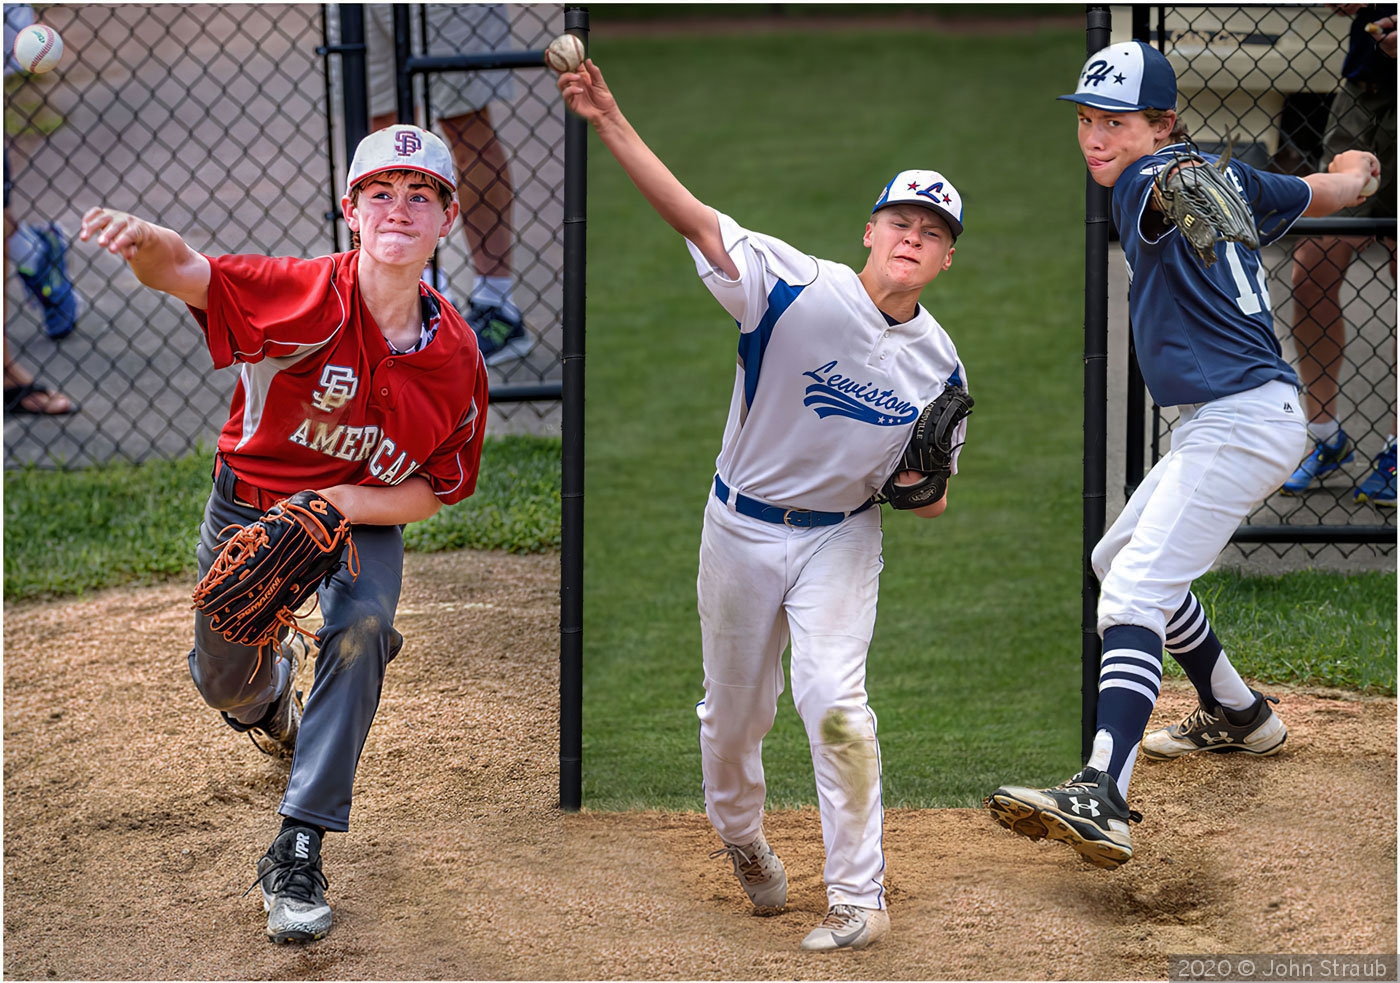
(1130,677)
(1192,643)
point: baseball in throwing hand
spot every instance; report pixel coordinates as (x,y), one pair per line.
(564,54)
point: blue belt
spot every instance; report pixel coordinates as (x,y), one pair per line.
(801,518)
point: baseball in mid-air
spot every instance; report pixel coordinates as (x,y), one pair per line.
(38,48)
(564,54)
(1371,186)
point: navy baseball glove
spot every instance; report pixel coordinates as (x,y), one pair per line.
(930,451)
(265,571)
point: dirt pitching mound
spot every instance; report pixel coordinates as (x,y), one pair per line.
(133,819)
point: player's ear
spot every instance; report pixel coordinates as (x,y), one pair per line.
(1162,129)
(452,209)
(869,228)
(948,260)
(352,219)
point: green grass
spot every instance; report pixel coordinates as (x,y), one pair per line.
(138,524)
(974,668)
(601,16)
(1309,627)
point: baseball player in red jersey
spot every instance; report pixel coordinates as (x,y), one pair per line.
(359,381)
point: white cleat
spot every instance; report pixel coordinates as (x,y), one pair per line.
(759,870)
(847,927)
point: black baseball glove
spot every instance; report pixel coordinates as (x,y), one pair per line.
(930,451)
(265,571)
(1202,201)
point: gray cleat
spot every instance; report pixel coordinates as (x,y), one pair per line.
(293,887)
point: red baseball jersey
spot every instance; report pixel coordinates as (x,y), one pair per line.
(321,399)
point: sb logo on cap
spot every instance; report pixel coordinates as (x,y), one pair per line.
(407,143)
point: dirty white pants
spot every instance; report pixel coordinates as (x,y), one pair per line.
(761,584)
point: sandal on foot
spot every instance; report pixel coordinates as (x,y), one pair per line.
(22,399)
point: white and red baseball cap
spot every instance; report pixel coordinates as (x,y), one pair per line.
(927,188)
(402,147)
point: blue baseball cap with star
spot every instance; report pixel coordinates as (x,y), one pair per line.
(1126,77)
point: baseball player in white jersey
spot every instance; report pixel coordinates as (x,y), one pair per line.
(834,366)
(1205,335)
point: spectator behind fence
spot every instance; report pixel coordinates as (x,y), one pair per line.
(37,253)
(461,107)
(1362,118)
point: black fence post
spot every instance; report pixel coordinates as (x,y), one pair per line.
(1096,225)
(571,482)
(403,50)
(356,85)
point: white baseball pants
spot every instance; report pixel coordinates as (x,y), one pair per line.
(759,585)
(1226,457)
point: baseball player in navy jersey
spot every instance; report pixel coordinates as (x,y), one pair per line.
(833,368)
(357,380)
(1205,339)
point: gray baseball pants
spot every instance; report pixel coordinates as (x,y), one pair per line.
(357,641)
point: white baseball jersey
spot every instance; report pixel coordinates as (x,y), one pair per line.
(826,391)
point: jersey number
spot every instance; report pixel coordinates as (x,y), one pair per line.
(1249,301)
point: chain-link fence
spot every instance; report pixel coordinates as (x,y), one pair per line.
(1273,79)
(225,123)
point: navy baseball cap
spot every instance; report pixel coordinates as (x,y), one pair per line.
(927,188)
(1126,77)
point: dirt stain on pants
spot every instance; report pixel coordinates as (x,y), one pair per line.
(852,752)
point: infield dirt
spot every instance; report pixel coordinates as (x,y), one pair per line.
(133,819)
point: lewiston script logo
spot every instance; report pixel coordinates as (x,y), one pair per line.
(834,394)
(386,462)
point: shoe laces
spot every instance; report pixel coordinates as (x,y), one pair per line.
(295,879)
(1198,719)
(749,869)
(841,916)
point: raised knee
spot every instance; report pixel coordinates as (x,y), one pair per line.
(367,633)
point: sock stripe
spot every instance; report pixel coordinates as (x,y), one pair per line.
(1132,655)
(1138,688)
(1187,612)
(1123,669)
(1186,640)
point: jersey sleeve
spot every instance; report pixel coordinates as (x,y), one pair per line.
(763,262)
(1278,200)
(261,306)
(452,468)
(1131,194)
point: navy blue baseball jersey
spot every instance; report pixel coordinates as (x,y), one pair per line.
(1203,332)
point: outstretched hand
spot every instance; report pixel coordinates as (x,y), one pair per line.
(1361,163)
(586,94)
(119,233)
